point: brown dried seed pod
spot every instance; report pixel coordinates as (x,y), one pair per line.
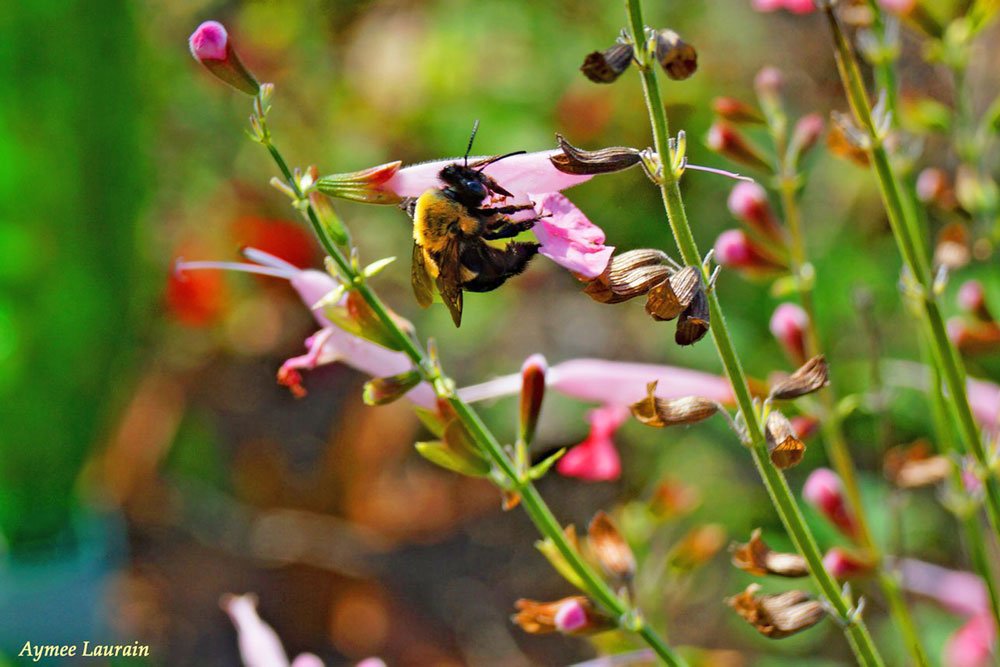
(628,275)
(661,412)
(610,548)
(777,616)
(811,376)
(575,160)
(669,299)
(607,65)
(911,466)
(757,558)
(784,446)
(678,58)
(694,321)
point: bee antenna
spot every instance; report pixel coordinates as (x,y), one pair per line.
(488,162)
(468,149)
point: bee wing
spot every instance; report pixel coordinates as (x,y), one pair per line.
(449,279)
(423,288)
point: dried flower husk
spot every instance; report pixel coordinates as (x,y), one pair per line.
(694,321)
(759,559)
(539,618)
(783,445)
(952,246)
(678,58)
(671,297)
(811,376)
(609,548)
(575,160)
(380,391)
(661,412)
(697,547)
(673,498)
(607,65)
(912,466)
(845,140)
(629,275)
(777,616)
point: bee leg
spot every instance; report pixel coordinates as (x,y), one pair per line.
(508,229)
(505,210)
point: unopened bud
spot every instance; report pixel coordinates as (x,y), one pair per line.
(736,249)
(727,141)
(610,548)
(211,46)
(573,615)
(824,491)
(380,391)
(757,558)
(952,247)
(788,325)
(736,111)
(972,299)
(697,547)
(532,392)
(974,337)
(677,58)
(934,187)
(806,133)
(768,85)
(842,564)
(607,65)
(777,616)
(805,425)
(811,376)
(749,204)
(661,412)
(783,445)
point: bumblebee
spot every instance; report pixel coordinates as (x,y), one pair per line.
(451,231)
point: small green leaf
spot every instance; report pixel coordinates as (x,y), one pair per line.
(540,469)
(431,420)
(559,563)
(378,266)
(380,391)
(440,454)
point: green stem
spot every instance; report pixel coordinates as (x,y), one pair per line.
(905,228)
(833,434)
(531,499)
(774,481)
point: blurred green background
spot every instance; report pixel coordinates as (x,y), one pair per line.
(148,460)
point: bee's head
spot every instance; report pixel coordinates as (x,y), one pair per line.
(468,186)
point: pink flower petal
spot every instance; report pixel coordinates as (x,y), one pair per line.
(259,643)
(568,238)
(972,644)
(622,383)
(596,458)
(530,172)
(957,591)
(984,399)
(307,660)
(208,41)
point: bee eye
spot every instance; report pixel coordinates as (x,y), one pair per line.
(476,187)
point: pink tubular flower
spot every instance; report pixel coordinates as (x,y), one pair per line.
(259,643)
(749,204)
(972,644)
(567,237)
(211,46)
(330,343)
(788,325)
(794,6)
(823,491)
(572,616)
(844,565)
(596,458)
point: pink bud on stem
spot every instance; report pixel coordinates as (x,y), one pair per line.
(211,46)
(823,490)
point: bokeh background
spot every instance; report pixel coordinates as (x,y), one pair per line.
(149,462)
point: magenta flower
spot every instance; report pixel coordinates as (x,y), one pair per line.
(596,458)
(972,644)
(331,343)
(749,204)
(842,564)
(788,325)
(259,643)
(572,616)
(211,46)
(794,6)
(734,248)
(567,237)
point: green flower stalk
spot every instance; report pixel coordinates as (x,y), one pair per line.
(781,496)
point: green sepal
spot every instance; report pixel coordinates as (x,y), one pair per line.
(440,454)
(541,468)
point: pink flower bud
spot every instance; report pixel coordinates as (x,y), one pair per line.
(769,81)
(532,392)
(735,249)
(805,426)
(571,616)
(789,324)
(972,298)
(211,46)
(736,111)
(898,6)
(842,564)
(806,133)
(749,204)
(823,491)
(727,141)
